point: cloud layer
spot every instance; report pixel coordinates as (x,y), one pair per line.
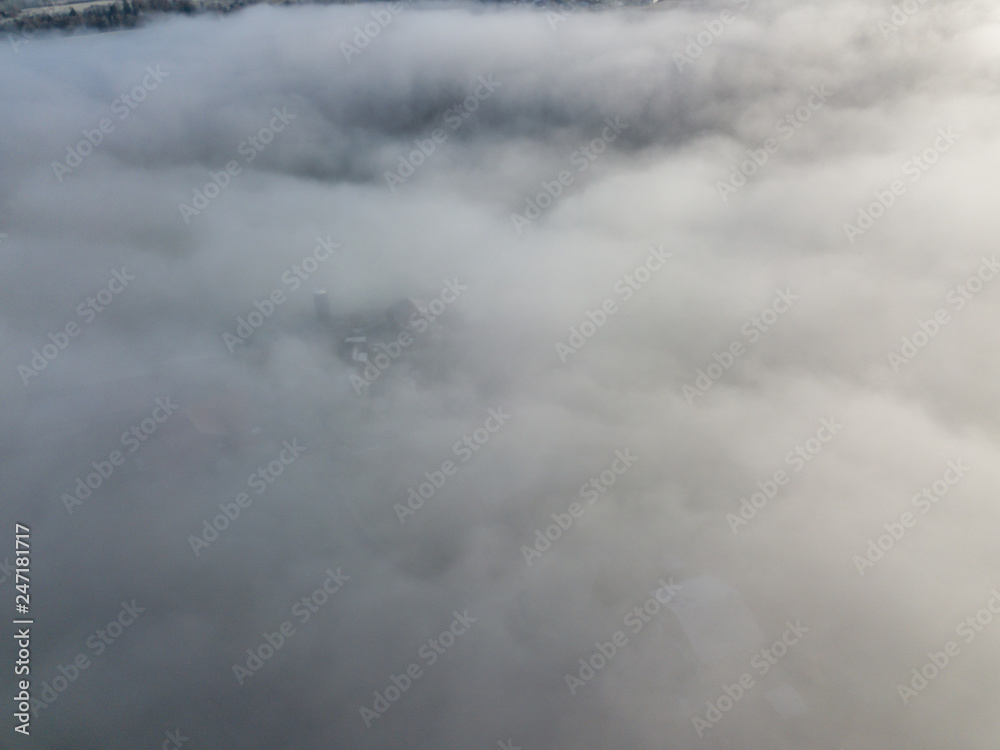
(701,372)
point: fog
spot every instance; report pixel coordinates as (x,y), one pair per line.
(684,434)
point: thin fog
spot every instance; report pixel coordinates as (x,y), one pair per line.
(464,376)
